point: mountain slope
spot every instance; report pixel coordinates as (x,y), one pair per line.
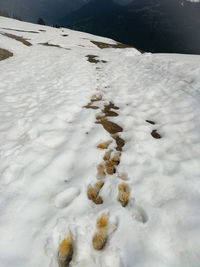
(64,97)
(156,25)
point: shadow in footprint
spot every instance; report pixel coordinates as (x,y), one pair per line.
(137,212)
(65,198)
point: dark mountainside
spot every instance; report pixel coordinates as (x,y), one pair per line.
(151,25)
(49,10)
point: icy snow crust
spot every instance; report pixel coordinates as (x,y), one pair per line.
(49,155)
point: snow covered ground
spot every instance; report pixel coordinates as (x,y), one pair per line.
(49,154)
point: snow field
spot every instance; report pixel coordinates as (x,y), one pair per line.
(49,155)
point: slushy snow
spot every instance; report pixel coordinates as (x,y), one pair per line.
(49,154)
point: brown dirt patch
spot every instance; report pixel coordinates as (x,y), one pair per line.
(107,110)
(119,141)
(155,134)
(104,145)
(92,59)
(4,54)
(17,38)
(16,30)
(109,126)
(96,98)
(117,45)
(93,99)
(90,105)
(51,45)
(151,122)
(106,45)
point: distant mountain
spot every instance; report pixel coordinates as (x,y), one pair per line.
(151,25)
(94,16)
(50,10)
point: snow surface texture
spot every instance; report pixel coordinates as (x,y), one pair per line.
(48,150)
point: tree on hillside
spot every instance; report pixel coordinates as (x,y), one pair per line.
(41,21)
(4,13)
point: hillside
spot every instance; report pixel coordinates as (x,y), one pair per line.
(168,26)
(99,144)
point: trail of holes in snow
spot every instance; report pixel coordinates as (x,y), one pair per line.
(108,166)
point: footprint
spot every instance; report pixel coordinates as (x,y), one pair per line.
(11,174)
(137,212)
(113,258)
(59,232)
(93,192)
(65,198)
(104,228)
(123,194)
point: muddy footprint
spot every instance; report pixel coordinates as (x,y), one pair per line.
(65,251)
(123,194)
(93,192)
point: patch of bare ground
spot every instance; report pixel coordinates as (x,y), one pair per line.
(52,45)
(65,35)
(93,99)
(4,54)
(119,141)
(90,106)
(17,38)
(107,110)
(106,45)
(16,30)
(102,45)
(151,122)
(92,59)
(155,134)
(104,145)
(109,126)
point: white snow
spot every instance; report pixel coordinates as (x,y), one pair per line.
(48,153)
